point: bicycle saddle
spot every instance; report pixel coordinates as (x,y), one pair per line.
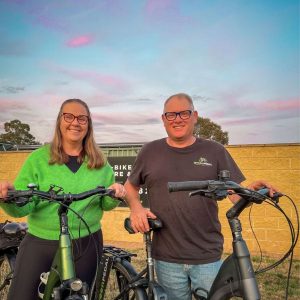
(154,224)
(14,228)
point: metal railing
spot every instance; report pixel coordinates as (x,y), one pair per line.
(109,149)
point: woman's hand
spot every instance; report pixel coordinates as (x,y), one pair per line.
(119,189)
(4,187)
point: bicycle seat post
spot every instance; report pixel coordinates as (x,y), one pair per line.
(150,263)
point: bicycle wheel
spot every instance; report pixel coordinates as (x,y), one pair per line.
(121,274)
(7,262)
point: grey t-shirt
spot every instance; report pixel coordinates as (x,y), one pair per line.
(192,231)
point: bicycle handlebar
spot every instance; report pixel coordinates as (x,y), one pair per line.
(22,197)
(218,190)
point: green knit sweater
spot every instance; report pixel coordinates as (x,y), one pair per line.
(42,217)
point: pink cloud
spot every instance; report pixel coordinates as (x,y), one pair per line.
(260,118)
(106,82)
(245,121)
(9,105)
(275,105)
(232,104)
(130,118)
(99,80)
(155,6)
(80,41)
(161,10)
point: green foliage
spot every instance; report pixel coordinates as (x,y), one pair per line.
(207,129)
(17,133)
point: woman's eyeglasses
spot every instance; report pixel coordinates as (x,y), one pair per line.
(184,115)
(81,119)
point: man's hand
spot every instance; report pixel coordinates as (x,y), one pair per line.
(138,214)
(139,219)
(260,184)
(255,185)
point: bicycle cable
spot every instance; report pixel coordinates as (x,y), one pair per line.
(294,237)
(91,237)
(256,239)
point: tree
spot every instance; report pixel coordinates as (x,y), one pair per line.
(17,133)
(207,129)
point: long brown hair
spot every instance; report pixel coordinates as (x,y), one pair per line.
(90,151)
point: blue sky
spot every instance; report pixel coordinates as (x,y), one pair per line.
(239,60)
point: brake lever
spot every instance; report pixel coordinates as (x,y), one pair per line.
(197,192)
(213,194)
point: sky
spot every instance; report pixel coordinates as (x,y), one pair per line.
(239,60)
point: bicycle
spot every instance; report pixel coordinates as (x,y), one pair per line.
(61,282)
(236,277)
(116,272)
(11,234)
(143,284)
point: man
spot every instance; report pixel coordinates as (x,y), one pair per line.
(188,249)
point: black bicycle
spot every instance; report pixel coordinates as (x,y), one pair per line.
(130,285)
(11,235)
(236,277)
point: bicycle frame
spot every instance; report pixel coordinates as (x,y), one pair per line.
(110,255)
(61,282)
(155,291)
(63,269)
(139,283)
(236,276)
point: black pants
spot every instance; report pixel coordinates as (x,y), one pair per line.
(35,257)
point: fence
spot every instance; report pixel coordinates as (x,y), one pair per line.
(278,163)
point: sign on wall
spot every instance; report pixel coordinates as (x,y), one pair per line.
(122,167)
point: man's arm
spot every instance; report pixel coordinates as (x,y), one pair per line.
(139,214)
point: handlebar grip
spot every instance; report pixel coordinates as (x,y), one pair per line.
(265,192)
(19,194)
(187,185)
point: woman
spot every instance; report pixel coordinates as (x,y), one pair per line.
(74,162)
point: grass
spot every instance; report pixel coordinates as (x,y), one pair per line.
(272,284)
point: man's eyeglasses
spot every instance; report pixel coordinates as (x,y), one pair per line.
(69,118)
(184,115)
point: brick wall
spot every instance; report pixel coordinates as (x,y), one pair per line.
(278,163)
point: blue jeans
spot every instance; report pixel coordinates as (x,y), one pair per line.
(180,280)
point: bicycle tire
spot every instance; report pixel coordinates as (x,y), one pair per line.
(121,274)
(7,263)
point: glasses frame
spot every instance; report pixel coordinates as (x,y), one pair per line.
(80,121)
(178,114)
